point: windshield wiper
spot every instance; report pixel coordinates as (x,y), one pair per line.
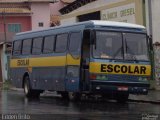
(130,55)
(119,50)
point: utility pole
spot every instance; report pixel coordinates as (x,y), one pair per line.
(4,23)
(148,6)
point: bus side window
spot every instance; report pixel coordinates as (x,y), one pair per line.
(75,43)
(26,48)
(17,47)
(48,44)
(61,43)
(37,46)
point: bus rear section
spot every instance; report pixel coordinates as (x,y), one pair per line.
(119,64)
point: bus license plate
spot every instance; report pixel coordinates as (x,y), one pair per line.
(122,88)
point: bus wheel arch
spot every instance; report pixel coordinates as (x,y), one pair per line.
(28,91)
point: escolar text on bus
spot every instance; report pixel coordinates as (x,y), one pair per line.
(123,69)
(24,62)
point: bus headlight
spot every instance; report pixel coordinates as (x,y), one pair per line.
(98,77)
(102,77)
(144,79)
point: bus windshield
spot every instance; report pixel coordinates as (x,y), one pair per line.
(118,45)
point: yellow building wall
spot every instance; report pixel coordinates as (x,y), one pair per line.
(138,10)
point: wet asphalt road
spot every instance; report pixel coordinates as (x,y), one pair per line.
(50,107)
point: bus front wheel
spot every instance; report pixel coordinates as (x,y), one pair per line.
(122,97)
(74,96)
(28,91)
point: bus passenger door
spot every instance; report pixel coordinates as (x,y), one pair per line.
(85,60)
(73,62)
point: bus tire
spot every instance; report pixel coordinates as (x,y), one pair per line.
(64,95)
(74,96)
(28,91)
(122,97)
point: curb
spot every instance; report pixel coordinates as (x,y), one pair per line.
(16,89)
(144,101)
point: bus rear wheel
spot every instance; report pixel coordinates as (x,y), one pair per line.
(28,91)
(64,95)
(74,96)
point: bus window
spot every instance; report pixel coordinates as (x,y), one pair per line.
(17,48)
(75,42)
(26,48)
(48,44)
(61,43)
(135,45)
(108,45)
(37,45)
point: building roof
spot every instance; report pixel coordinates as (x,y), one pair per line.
(40,1)
(74,5)
(20,1)
(15,10)
(67,1)
(11,1)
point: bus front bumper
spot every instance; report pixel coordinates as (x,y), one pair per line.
(131,88)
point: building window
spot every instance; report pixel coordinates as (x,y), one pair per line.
(40,24)
(14,28)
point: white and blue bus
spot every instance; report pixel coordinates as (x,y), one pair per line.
(89,58)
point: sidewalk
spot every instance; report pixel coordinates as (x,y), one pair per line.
(152,97)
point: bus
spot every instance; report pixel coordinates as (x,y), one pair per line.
(105,58)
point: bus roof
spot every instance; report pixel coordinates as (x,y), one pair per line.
(117,24)
(93,23)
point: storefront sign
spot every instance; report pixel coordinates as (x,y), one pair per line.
(124,13)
